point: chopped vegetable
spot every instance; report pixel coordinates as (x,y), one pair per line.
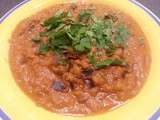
(87,72)
(89,83)
(58,85)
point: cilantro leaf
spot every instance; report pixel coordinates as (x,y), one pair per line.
(103,63)
(59,41)
(84,45)
(92,59)
(44,48)
(121,35)
(85,15)
(56,20)
(120,62)
(102,33)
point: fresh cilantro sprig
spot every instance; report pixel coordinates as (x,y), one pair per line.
(107,62)
(64,32)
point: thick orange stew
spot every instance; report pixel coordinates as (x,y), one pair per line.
(79,59)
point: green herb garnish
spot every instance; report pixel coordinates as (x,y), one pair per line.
(64,32)
(85,15)
(44,48)
(121,35)
(103,63)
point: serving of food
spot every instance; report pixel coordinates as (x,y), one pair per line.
(88,60)
(79,59)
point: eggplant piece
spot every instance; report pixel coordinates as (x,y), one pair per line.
(58,86)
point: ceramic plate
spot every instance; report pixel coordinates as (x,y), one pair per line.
(19,107)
